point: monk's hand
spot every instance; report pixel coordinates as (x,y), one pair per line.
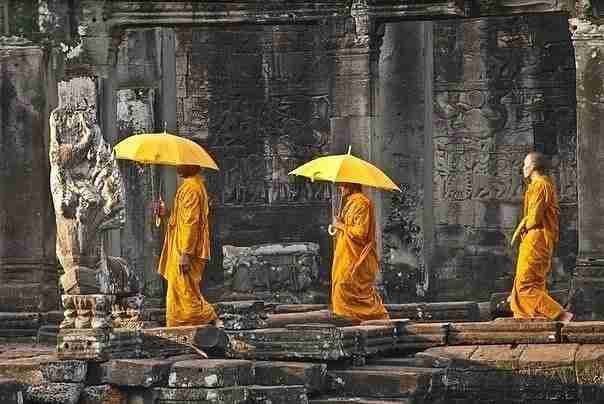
(184,264)
(160,208)
(338,224)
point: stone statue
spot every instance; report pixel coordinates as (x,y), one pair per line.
(88,196)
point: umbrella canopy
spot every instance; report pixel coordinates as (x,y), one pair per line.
(163,148)
(345,168)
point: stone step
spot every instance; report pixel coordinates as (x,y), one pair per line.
(170,341)
(211,373)
(277,394)
(196,395)
(10,392)
(358,400)
(310,375)
(435,312)
(47,334)
(388,382)
(395,361)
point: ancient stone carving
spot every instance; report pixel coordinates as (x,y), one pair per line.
(88,198)
(281,271)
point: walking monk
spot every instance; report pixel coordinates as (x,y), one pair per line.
(539,231)
(186,251)
(355,263)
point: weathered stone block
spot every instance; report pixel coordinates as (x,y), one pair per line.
(277,394)
(504,331)
(358,400)
(51,393)
(69,371)
(378,381)
(310,317)
(589,366)
(310,375)
(211,373)
(26,370)
(376,339)
(419,336)
(102,394)
(298,308)
(11,392)
(586,332)
(435,312)
(314,341)
(17,321)
(231,395)
(99,344)
(456,357)
(136,372)
(241,315)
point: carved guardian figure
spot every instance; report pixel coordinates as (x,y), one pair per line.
(88,197)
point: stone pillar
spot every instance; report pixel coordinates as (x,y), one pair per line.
(28,276)
(589,275)
(355,43)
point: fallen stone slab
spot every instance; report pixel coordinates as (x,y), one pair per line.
(456,357)
(436,312)
(211,373)
(309,317)
(504,331)
(310,375)
(420,336)
(298,308)
(384,382)
(170,341)
(231,395)
(586,332)
(68,371)
(277,394)
(322,342)
(11,392)
(54,393)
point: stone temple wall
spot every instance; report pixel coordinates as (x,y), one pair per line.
(501,87)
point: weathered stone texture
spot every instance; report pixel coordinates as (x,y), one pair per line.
(234,395)
(278,394)
(11,392)
(275,272)
(310,375)
(28,278)
(211,373)
(54,393)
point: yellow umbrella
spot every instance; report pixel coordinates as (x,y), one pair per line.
(163,148)
(345,168)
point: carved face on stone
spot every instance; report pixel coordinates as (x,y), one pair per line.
(529,166)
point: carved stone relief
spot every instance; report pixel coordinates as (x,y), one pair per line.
(503,87)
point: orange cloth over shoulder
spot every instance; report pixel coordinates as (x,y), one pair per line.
(355,264)
(188,233)
(529,297)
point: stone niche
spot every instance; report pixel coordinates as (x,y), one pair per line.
(286,273)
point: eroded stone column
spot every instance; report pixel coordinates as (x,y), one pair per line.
(28,277)
(589,275)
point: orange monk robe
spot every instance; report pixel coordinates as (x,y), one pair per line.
(355,264)
(187,233)
(529,297)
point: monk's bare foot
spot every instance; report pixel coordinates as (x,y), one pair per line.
(218,323)
(566,317)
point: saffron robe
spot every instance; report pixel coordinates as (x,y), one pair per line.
(529,297)
(187,233)
(355,264)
